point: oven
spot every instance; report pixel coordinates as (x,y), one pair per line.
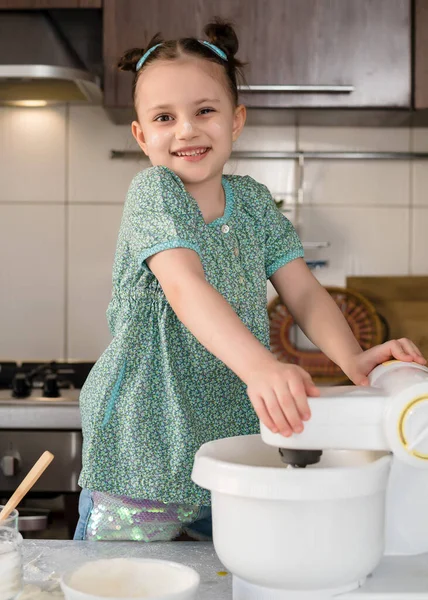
(39,410)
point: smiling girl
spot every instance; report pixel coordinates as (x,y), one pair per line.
(189,361)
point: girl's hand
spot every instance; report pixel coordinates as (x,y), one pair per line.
(279,394)
(362,364)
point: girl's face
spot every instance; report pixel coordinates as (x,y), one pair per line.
(187,121)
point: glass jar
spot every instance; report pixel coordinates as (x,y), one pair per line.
(10,563)
(12,519)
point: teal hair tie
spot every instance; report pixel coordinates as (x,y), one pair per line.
(212,47)
(215,49)
(145,56)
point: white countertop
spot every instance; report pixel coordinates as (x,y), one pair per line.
(45,561)
(396,578)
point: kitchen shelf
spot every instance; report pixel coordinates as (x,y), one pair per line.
(284,155)
(324,155)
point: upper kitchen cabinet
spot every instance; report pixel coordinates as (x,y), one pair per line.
(300,53)
(48,4)
(421,53)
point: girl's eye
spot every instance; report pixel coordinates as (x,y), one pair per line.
(205,111)
(163,118)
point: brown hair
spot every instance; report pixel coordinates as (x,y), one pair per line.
(219,32)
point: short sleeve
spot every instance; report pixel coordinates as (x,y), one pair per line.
(282,244)
(159,215)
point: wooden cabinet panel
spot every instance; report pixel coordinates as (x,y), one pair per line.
(131,23)
(402,301)
(421,53)
(365,44)
(48,4)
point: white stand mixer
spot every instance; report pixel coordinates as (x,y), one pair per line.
(354,522)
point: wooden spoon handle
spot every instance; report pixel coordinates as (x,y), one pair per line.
(26,484)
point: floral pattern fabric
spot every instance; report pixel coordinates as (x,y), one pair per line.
(156,394)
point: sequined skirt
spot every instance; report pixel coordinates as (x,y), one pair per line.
(108,517)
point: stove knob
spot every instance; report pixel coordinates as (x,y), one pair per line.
(50,386)
(10,464)
(21,387)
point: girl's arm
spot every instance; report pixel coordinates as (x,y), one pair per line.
(322,321)
(206,313)
(277,391)
(315,311)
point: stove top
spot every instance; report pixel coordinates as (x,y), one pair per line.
(42,382)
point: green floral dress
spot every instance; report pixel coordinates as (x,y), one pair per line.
(156,394)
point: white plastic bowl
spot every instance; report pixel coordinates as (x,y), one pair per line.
(136,578)
(319,528)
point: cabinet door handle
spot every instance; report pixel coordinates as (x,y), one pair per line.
(299,89)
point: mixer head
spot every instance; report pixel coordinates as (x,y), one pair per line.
(299,458)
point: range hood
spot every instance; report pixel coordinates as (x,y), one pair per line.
(38,64)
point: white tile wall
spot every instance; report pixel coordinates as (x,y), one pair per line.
(61,201)
(354,138)
(92,241)
(419,169)
(356,182)
(266,138)
(93,176)
(32,273)
(32,154)
(278,175)
(364,240)
(419,248)
(419,200)
(362,207)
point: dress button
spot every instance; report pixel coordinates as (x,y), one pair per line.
(236,251)
(225,228)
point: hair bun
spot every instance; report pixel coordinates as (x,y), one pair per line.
(129,60)
(222,34)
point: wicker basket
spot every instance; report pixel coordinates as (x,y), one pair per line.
(361,316)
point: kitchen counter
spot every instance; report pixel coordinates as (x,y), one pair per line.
(396,578)
(45,560)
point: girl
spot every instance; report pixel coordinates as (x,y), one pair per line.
(189,361)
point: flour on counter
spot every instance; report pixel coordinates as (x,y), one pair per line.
(10,572)
(34,592)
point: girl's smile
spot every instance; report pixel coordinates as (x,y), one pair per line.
(191,154)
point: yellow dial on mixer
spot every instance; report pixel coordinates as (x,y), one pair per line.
(413,427)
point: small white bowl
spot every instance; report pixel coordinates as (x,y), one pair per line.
(136,578)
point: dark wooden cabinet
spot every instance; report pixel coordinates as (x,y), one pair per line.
(421,54)
(339,53)
(48,4)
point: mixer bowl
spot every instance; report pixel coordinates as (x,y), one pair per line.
(319,528)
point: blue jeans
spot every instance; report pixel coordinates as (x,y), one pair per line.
(101,516)
(85,509)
